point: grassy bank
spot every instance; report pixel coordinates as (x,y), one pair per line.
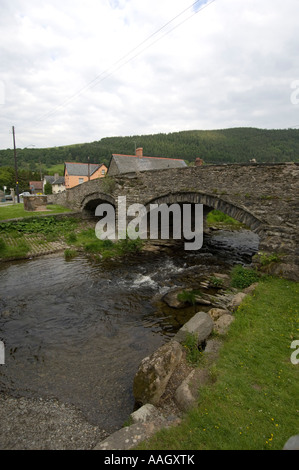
(220,220)
(36,235)
(15,211)
(87,241)
(31,236)
(254,403)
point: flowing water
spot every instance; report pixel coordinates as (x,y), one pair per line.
(77,330)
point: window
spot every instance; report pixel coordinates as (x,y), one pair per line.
(103,172)
(81,180)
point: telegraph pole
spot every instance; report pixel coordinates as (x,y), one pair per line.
(16,165)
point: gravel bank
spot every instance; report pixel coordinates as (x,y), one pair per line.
(44,424)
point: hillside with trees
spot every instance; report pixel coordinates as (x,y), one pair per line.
(236,145)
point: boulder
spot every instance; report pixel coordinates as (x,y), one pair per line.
(222,324)
(237,300)
(171,299)
(146,413)
(251,288)
(216,313)
(186,395)
(201,324)
(154,373)
(201,301)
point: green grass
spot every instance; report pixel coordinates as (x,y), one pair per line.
(255,401)
(243,277)
(16,252)
(219,219)
(59,168)
(15,211)
(87,240)
(15,243)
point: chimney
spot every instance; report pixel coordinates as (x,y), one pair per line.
(198,162)
(139,152)
(56,176)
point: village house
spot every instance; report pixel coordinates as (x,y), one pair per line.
(132,164)
(36,187)
(78,173)
(57,182)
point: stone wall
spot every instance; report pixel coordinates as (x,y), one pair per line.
(35,203)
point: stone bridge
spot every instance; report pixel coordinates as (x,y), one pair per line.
(263,196)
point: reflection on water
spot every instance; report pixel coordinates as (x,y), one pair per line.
(78,330)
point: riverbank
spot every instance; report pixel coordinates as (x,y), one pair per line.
(252,401)
(63,422)
(39,236)
(248,394)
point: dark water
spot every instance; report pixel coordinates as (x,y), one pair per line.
(78,330)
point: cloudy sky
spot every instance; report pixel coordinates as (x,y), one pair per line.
(75,71)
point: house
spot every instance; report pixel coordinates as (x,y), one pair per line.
(131,164)
(57,182)
(78,173)
(36,187)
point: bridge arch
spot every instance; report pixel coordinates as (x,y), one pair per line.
(209,203)
(90,202)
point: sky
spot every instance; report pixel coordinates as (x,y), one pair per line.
(76,71)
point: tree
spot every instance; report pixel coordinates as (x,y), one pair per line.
(7,178)
(48,188)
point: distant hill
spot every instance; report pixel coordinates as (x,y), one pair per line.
(234,145)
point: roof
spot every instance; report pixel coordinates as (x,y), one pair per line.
(36,184)
(81,169)
(53,180)
(133,163)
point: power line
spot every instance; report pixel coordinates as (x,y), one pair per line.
(124,60)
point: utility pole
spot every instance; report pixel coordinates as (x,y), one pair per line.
(16,165)
(88,170)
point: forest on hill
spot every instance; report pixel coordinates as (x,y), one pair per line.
(235,145)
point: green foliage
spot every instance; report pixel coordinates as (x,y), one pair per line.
(129,246)
(216,281)
(2,245)
(193,354)
(48,188)
(243,277)
(72,238)
(189,296)
(8,179)
(16,251)
(108,184)
(44,225)
(69,253)
(266,259)
(216,146)
(217,217)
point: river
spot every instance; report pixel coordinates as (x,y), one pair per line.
(77,330)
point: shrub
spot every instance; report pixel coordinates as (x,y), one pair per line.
(243,277)
(193,354)
(189,296)
(69,254)
(72,238)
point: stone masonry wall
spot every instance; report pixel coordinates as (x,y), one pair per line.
(264,196)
